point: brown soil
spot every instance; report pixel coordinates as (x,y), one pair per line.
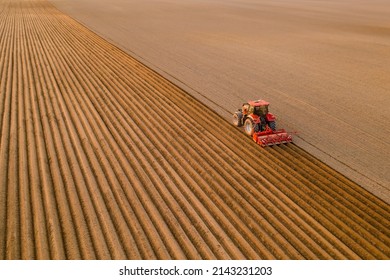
(101,157)
(323,65)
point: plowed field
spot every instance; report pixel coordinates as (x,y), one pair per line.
(100,157)
(323,65)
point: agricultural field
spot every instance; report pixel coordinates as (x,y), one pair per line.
(101,157)
(323,65)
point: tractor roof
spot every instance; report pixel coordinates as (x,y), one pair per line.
(258,103)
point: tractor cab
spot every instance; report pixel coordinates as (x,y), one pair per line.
(258,108)
(253,109)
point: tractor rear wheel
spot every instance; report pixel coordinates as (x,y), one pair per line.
(248,126)
(272,125)
(257,127)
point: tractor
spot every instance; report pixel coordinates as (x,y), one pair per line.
(260,124)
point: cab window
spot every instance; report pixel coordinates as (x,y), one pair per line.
(261,110)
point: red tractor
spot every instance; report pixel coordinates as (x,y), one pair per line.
(260,124)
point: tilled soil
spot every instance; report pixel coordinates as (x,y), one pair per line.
(102,158)
(323,65)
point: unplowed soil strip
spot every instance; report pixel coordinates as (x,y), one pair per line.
(102,158)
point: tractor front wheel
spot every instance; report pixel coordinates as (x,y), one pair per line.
(237,119)
(248,126)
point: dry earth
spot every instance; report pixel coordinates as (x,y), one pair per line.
(324,65)
(101,157)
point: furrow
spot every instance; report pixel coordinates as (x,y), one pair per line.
(25,143)
(26,228)
(13,218)
(5,49)
(6,88)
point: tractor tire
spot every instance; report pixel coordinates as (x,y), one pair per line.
(237,119)
(257,127)
(249,127)
(272,125)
